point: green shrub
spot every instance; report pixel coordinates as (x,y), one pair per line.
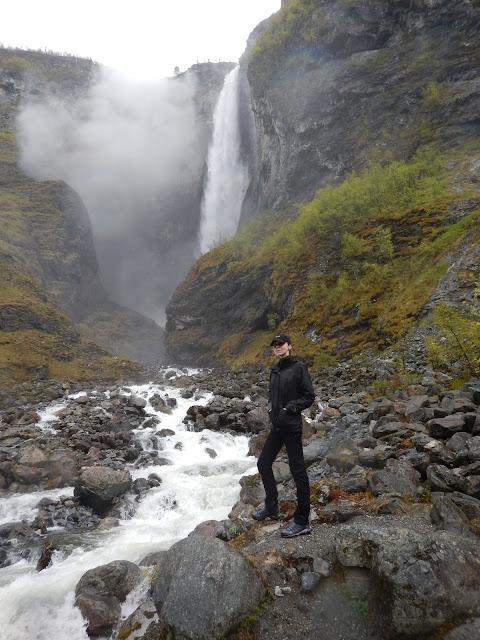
(15,64)
(456,344)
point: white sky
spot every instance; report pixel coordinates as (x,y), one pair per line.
(145,39)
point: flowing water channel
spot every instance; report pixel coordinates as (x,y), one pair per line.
(40,605)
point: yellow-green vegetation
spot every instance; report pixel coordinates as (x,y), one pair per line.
(456,344)
(8,146)
(362,258)
(298,23)
(38,340)
(47,66)
(16,64)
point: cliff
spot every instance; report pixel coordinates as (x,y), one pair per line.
(366,113)
(336,85)
(51,293)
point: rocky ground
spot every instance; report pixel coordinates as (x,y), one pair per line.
(393,456)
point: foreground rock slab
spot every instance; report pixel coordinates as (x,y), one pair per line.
(203,588)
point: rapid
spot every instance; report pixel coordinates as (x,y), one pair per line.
(196,486)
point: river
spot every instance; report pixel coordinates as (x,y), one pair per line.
(195,487)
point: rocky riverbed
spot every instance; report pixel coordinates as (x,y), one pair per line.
(393,456)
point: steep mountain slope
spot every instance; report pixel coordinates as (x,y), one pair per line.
(338,87)
(49,274)
(354,269)
(338,84)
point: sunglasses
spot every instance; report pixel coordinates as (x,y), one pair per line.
(278,344)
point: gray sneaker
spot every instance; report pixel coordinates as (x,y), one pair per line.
(265,513)
(294,530)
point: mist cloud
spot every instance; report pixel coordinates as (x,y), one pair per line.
(134,154)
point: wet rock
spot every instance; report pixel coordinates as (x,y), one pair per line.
(100,592)
(61,469)
(46,556)
(252,491)
(136,625)
(207,528)
(98,487)
(230,588)
(137,402)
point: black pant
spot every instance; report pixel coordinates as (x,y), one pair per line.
(293,443)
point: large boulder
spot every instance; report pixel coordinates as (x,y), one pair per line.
(415,576)
(204,588)
(98,487)
(100,592)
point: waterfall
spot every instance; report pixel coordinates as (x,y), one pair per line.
(227,176)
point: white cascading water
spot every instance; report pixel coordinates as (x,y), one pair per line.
(227,177)
(194,488)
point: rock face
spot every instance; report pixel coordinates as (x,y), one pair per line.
(53,244)
(47,255)
(413,576)
(348,83)
(229,588)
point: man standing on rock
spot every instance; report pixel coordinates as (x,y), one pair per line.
(291,391)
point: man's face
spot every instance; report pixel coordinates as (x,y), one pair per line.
(280,349)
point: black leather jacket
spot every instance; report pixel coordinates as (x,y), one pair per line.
(291,391)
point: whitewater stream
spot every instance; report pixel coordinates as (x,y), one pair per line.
(40,605)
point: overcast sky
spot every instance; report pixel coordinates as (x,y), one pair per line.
(145,39)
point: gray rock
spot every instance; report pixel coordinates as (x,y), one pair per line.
(314,449)
(440,478)
(100,592)
(257,420)
(414,406)
(321,566)
(447,515)
(98,487)
(473,446)
(414,576)
(136,401)
(376,458)
(398,477)
(469,505)
(443,428)
(467,631)
(252,491)
(203,588)
(309,581)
